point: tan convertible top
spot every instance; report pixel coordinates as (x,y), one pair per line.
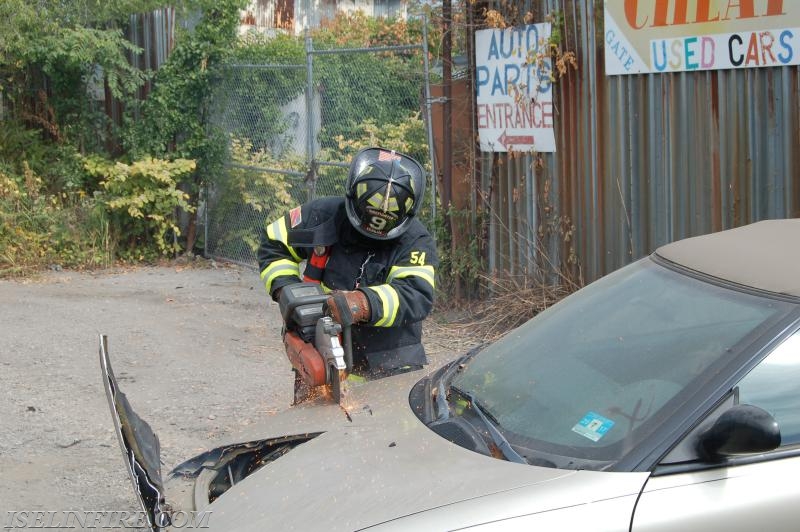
(764,255)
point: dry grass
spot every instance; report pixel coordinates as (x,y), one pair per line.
(514,302)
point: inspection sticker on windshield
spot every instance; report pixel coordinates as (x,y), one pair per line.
(593,426)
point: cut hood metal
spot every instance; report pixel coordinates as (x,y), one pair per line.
(139,444)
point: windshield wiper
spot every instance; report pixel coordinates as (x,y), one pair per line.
(442,408)
(497,437)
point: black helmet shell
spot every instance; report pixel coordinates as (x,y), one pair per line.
(384,191)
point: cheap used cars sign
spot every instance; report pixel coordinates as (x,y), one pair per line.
(514,89)
(652,36)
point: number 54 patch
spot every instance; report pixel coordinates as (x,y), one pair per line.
(418,258)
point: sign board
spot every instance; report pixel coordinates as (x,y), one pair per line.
(653,36)
(514,89)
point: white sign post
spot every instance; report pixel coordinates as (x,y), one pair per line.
(515,89)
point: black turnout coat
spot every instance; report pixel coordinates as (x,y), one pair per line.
(396,275)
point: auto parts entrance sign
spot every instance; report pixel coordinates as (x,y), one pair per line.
(652,36)
(514,89)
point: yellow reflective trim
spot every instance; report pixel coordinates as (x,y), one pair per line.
(279,268)
(379,201)
(390,303)
(277,231)
(274,231)
(376,200)
(325,288)
(423,272)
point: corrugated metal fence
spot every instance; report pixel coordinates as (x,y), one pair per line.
(641,161)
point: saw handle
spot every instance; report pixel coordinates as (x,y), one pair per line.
(288,307)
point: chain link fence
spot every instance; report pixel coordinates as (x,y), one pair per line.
(292,129)
(261,109)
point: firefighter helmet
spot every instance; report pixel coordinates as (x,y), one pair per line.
(384,191)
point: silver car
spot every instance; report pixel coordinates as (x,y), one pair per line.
(665,396)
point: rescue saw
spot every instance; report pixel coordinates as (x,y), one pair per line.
(319,348)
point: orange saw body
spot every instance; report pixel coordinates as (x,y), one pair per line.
(305,359)
(312,341)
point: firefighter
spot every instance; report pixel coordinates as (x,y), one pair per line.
(370,250)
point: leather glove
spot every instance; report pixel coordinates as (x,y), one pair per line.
(348,307)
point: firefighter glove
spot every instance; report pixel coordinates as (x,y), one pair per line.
(349,307)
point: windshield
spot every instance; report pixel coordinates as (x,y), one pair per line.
(594,375)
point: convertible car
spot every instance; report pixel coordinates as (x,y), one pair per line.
(664,396)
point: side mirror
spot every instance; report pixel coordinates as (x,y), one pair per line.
(742,429)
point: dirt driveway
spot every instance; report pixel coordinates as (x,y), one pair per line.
(197,351)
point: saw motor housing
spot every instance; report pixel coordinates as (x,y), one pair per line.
(310,337)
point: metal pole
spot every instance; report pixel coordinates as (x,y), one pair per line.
(474,161)
(206,253)
(447,141)
(597,219)
(447,126)
(310,184)
(368,49)
(431,151)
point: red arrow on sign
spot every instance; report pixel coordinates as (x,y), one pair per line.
(515,140)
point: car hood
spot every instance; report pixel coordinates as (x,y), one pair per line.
(376,462)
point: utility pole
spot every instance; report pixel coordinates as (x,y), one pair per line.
(447,79)
(447,133)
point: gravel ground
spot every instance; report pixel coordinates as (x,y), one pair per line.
(196,349)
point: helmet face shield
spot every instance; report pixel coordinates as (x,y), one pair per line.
(384,192)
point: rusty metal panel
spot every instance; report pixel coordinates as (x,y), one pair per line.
(264,15)
(643,160)
(154,33)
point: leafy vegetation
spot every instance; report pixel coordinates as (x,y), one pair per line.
(59,59)
(174,121)
(50,62)
(354,87)
(79,191)
(407,136)
(141,199)
(246,196)
(39,229)
(356,30)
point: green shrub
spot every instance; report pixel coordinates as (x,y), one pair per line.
(141,200)
(353,86)
(59,165)
(244,198)
(406,136)
(39,229)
